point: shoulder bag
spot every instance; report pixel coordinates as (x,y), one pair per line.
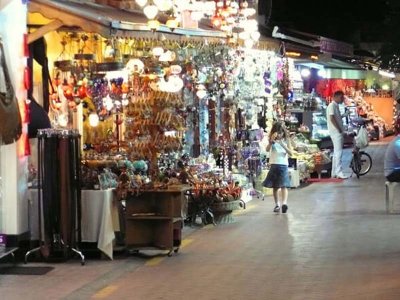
(10,118)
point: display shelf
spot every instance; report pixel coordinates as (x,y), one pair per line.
(147,218)
(154,220)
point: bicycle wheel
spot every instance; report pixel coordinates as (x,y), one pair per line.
(355,164)
(365,163)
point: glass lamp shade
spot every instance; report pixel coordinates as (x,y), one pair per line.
(305,72)
(172,24)
(248,12)
(216,21)
(153,25)
(163,5)
(196,15)
(255,35)
(250,25)
(150,11)
(174,84)
(249,43)
(244,35)
(201,94)
(141,3)
(157,51)
(175,69)
(93,119)
(108,103)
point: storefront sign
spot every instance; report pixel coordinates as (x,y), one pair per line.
(335,47)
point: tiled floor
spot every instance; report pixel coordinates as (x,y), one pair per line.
(336,242)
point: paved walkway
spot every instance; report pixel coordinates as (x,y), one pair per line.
(336,242)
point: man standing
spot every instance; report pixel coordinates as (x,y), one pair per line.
(336,130)
(392,156)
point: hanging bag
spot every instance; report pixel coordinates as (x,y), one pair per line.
(10,118)
(362,138)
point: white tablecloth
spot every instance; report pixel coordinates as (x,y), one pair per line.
(98,212)
(99,218)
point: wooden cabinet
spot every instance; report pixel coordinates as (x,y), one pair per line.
(154,220)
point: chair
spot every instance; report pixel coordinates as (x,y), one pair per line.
(390,196)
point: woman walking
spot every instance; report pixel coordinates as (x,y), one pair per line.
(278,176)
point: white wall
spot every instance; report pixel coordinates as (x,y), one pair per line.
(14,206)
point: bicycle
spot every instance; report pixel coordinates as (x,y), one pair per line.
(361,161)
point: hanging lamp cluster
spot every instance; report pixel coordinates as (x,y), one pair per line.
(153,7)
(234,17)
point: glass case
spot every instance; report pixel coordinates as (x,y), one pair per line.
(319,126)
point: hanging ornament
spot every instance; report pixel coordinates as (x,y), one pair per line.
(27,78)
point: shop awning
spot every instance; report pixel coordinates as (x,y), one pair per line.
(335,68)
(330,64)
(104,20)
(314,42)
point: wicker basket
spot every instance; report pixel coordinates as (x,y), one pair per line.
(223,211)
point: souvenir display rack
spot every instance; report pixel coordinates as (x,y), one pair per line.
(59,194)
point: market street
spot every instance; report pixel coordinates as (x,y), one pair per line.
(336,242)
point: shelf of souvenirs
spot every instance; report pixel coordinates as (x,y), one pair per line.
(378,93)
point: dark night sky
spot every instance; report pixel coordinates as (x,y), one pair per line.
(357,22)
(346,20)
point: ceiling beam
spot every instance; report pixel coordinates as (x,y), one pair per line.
(4,3)
(40,32)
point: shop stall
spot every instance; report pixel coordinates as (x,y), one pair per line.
(158,110)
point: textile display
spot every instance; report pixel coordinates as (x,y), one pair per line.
(59,189)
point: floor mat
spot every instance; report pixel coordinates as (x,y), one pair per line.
(324,180)
(25,270)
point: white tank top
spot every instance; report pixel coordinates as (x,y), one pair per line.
(278,155)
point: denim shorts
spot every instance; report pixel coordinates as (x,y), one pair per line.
(277,177)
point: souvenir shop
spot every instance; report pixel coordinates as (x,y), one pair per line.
(368,96)
(158,113)
(148,127)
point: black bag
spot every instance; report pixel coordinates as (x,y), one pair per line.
(10,118)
